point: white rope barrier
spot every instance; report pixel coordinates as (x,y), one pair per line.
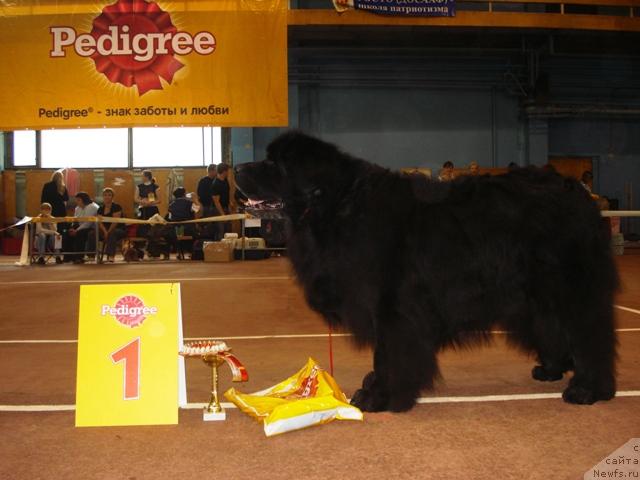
(620,213)
(155,220)
(158,220)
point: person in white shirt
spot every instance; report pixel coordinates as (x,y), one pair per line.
(46,234)
(587,181)
(80,231)
(446,174)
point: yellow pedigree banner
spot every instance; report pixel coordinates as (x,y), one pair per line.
(128,365)
(124,63)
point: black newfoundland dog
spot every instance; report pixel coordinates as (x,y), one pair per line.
(412,266)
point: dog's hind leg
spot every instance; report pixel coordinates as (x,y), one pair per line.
(592,342)
(549,340)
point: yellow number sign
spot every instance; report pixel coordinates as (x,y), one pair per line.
(129,370)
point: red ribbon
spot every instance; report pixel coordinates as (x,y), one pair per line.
(141,17)
(239,373)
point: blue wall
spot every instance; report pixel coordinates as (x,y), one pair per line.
(409,127)
(614,147)
(406,107)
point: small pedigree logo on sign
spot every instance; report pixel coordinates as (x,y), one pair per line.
(129,311)
(133,42)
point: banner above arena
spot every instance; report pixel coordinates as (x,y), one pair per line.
(137,62)
(414,8)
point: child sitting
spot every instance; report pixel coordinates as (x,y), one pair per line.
(46,234)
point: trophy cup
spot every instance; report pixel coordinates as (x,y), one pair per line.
(214,353)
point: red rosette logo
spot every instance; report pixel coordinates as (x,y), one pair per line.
(133,43)
(138,18)
(129,311)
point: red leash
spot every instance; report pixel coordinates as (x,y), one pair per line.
(330,352)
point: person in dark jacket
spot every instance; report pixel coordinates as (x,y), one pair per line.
(111,233)
(220,190)
(180,208)
(147,196)
(205,193)
(55,194)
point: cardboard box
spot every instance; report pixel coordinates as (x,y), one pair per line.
(250,243)
(218,251)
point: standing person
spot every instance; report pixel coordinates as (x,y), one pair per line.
(54,192)
(205,195)
(147,196)
(220,195)
(474,169)
(148,199)
(111,233)
(79,232)
(46,234)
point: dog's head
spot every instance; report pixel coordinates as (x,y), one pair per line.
(298,168)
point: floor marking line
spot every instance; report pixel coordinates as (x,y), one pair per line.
(261,337)
(269,337)
(504,398)
(627,309)
(146,280)
(249,337)
(422,401)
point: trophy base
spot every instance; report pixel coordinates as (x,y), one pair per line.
(214,416)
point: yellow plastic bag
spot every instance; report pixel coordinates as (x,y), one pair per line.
(310,397)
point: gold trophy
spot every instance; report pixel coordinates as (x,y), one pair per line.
(214,353)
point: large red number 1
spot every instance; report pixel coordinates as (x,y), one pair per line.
(130,353)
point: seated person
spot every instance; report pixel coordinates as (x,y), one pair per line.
(181,208)
(46,234)
(446,174)
(110,233)
(80,231)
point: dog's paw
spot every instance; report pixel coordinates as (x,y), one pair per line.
(542,374)
(369,401)
(582,395)
(579,395)
(401,404)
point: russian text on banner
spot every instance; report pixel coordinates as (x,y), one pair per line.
(138,62)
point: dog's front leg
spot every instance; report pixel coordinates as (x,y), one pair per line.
(403,364)
(374,394)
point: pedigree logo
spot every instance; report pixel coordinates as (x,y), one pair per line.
(308,386)
(129,311)
(133,42)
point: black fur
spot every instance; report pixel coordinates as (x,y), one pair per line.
(412,266)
